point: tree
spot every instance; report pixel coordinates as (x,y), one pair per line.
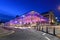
(17,16)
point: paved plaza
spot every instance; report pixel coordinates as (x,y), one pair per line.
(28,34)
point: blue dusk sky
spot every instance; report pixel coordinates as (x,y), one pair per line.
(10,8)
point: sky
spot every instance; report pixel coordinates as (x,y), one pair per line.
(10,8)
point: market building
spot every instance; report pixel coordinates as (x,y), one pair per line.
(31,18)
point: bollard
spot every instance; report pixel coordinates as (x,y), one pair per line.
(39,28)
(54,31)
(46,29)
(42,28)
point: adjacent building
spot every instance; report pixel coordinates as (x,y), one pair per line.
(50,16)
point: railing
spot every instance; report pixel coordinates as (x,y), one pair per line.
(50,29)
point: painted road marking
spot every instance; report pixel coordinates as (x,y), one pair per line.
(43,33)
(47,38)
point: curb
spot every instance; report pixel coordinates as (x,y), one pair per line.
(4,34)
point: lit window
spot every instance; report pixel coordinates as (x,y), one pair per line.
(24,23)
(23,15)
(15,21)
(20,22)
(31,22)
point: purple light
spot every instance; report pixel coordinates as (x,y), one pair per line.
(20,22)
(28,18)
(15,21)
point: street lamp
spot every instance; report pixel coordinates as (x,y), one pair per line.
(56,18)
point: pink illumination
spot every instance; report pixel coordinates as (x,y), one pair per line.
(28,18)
(42,19)
(20,22)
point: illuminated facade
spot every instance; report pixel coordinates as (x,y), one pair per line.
(27,19)
(50,16)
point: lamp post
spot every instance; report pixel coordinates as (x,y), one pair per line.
(56,20)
